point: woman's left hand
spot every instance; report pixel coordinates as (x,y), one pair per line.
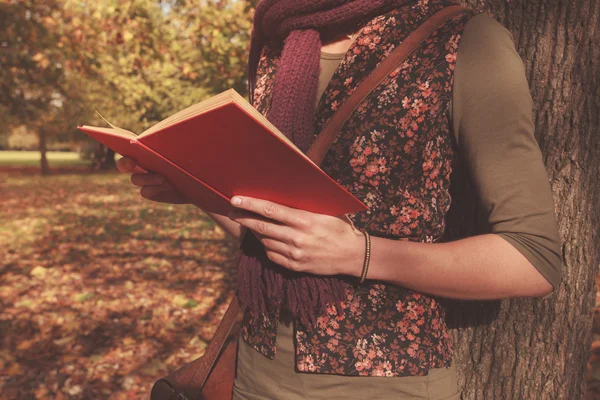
(300,240)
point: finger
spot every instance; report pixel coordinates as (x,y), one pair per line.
(264,226)
(148,179)
(282,248)
(280,260)
(286,215)
(272,244)
(162,193)
(126,164)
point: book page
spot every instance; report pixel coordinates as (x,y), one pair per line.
(228,96)
(195,109)
(116,131)
(113,130)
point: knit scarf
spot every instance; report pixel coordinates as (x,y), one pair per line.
(297,27)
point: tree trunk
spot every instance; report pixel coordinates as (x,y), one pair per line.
(108,162)
(103,158)
(537,348)
(45,168)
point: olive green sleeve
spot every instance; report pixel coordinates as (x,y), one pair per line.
(492,122)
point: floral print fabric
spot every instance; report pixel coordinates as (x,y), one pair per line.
(396,154)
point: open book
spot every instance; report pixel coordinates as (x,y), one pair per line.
(223,147)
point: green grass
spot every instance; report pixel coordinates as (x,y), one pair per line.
(32,158)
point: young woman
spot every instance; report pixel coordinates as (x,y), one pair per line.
(311,329)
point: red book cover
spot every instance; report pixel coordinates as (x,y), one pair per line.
(223,147)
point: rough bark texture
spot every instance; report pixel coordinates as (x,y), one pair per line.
(537,348)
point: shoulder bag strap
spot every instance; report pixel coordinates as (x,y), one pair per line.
(323,142)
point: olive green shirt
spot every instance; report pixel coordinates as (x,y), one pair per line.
(492,122)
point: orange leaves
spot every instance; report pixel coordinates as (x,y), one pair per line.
(42,61)
(102,292)
(49,22)
(15,369)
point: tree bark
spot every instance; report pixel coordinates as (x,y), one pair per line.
(44,167)
(537,348)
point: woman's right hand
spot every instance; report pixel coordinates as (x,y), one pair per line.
(153,186)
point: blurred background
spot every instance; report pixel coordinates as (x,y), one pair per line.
(103,292)
(136,62)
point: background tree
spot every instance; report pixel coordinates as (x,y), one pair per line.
(152,59)
(32,70)
(537,349)
(136,61)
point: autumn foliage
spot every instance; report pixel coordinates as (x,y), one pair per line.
(135,61)
(102,292)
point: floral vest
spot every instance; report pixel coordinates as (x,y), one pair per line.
(395,153)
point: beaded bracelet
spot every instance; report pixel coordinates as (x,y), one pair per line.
(367,257)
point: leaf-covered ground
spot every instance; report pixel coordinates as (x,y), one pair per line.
(101,291)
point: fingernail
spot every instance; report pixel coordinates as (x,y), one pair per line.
(236,201)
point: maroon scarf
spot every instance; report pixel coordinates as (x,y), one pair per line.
(298,27)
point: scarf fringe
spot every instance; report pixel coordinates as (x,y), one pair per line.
(266,288)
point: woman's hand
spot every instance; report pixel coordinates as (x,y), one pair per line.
(300,240)
(153,186)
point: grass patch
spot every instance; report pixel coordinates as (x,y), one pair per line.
(32,158)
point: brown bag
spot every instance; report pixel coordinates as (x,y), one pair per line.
(211,376)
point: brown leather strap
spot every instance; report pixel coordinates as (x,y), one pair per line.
(322,143)
(220,337)
(188,381)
